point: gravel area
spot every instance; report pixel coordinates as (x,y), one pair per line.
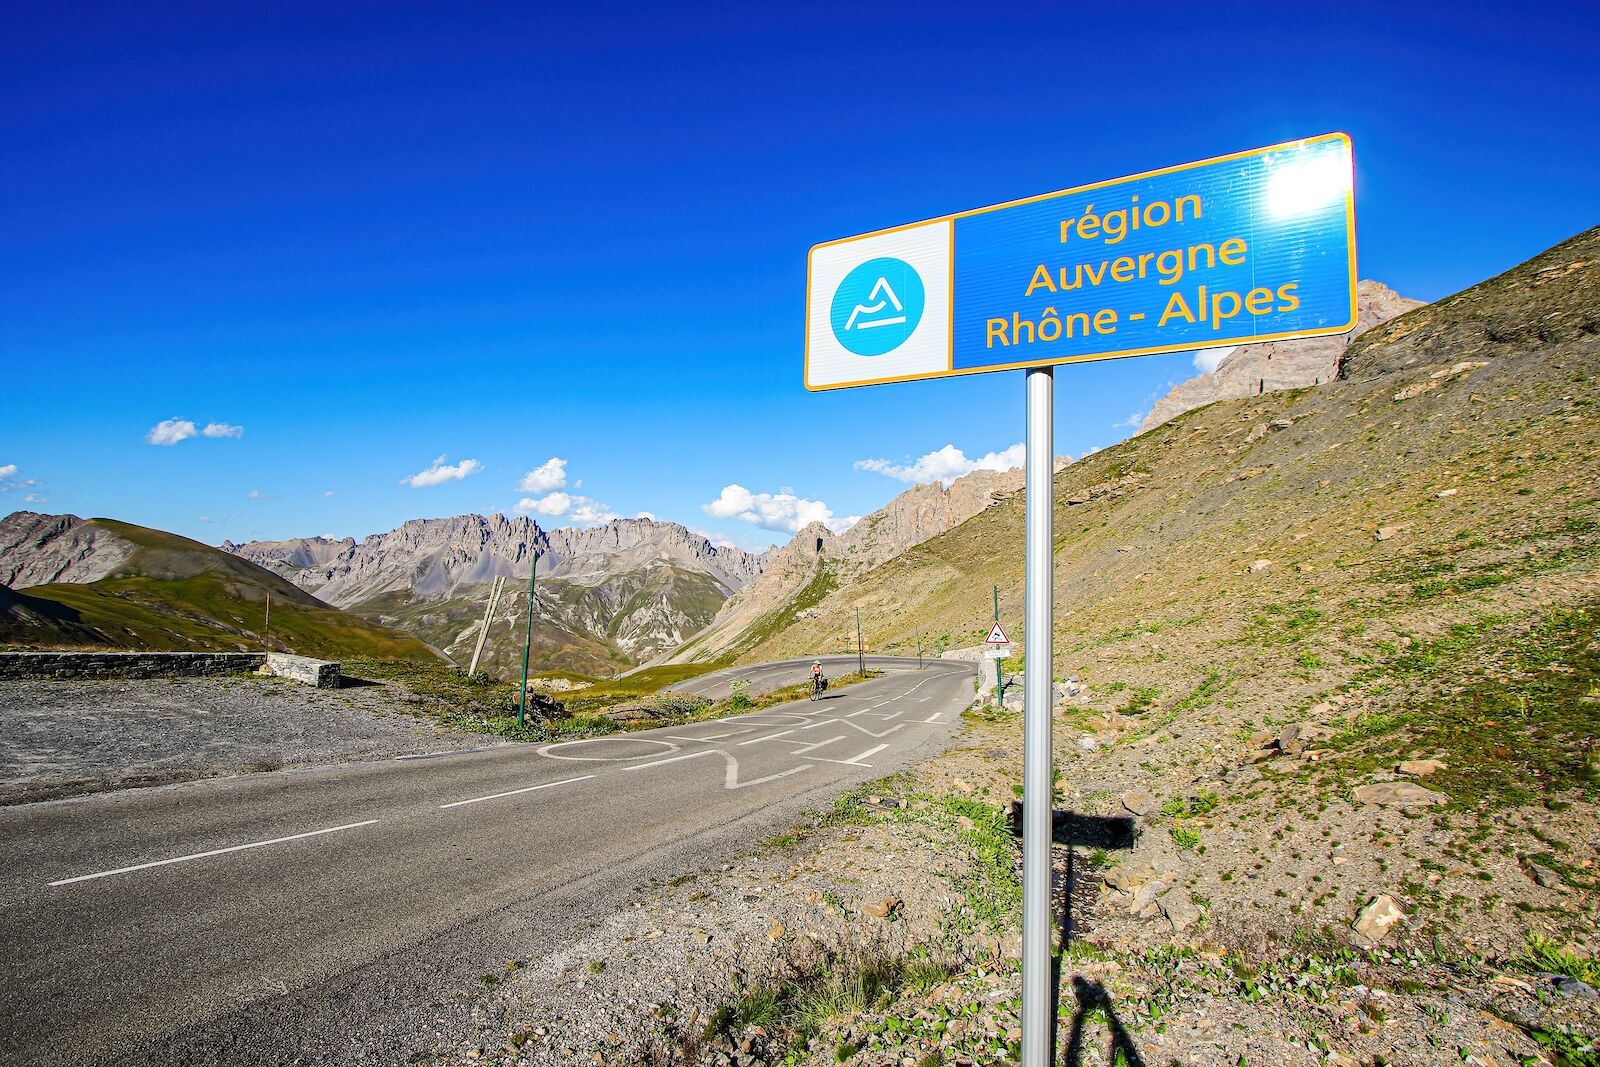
(66,738)
(719,968)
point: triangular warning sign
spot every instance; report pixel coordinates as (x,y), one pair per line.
(997,636)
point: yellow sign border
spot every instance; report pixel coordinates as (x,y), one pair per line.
(951,371)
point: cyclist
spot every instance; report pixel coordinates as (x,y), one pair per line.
(818,681)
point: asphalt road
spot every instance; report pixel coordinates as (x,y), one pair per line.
(766,677)
(324,915)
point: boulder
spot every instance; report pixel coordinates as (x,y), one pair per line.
(1139,803)
(1572,987)
(1129,876)
(1180,911)
(1374,921)
(1398,795)
(1420,768)
(1545,877)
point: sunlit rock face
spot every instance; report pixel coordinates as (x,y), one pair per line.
(1249,370)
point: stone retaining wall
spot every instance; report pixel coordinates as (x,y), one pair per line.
(67,665)
(126,664)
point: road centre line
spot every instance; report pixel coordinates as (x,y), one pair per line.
(212,852)
(514,792)
(708,737)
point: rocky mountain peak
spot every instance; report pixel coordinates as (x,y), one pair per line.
(37,549)
(1250,370)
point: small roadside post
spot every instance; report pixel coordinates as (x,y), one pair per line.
(999,673)
(1242,248)
(861,649)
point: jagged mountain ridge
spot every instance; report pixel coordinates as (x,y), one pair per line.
(432,557)
(1250,370)
(607,596)
(798,574)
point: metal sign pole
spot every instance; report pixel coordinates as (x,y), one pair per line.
(1037,802)
(527,647)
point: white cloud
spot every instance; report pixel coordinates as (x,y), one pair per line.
(782,511)
(1132,422)
(547,476)
(574,509)
(1206,360)
(10,481)
(586,512)
(717,539)
(256,494)
(646,515)
(440,473)
(207,518)
(551,504)
(945,465)
(170,432)
(327,493)
(223,429)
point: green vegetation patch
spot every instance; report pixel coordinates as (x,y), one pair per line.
(1512,708)
(215,610)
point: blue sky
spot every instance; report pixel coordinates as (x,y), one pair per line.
(362,242)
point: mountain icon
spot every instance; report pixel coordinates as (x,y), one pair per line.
(881,297)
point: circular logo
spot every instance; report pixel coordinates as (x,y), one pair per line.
(877,306)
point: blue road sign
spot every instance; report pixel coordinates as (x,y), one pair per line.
(1254,246)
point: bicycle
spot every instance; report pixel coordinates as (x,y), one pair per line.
(818,684)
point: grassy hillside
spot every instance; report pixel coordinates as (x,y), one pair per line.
(1402,564)
(592,629)
(175,594)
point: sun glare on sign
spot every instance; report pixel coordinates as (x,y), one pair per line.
(1308,185)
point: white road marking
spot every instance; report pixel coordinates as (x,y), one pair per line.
(869,733)
(766,737)
(819,744)
(673,759)
(212,852)
(730,780)
(855,761)
(932,718)
(708,737)
(514,792)
(549,750)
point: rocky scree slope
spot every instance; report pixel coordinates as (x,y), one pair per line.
(816,560)
(1334,649)
(607,597)
(103,583)
(1250,370)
